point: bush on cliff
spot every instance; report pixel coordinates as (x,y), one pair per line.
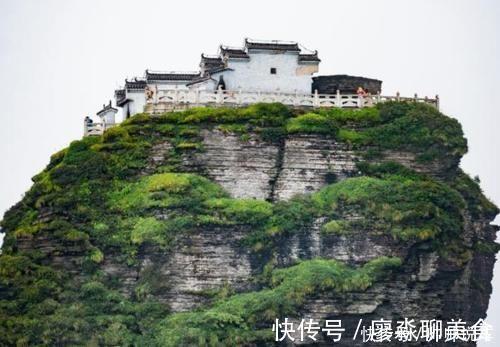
(421,129)
(236,320)
(311,123)
(408,209)
(101,201)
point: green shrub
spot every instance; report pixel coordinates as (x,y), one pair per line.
(166,129)
(235,320)
(266,114)
(312,123)
(477,203)
(164,190)
(336,227)
(245,137)
(418,128)
(79,163)
(75,235)
(96,255)
(294,215)
(364,117)
(243,211)
(116,134)
(148,230)
(410,209)
(56,158)
(187,145)
(168,182)
(139,118)
(275,134)
(188,131)
(350,136)
(233,128)
(486,247)
(385,169)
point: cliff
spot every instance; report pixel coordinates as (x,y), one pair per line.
(201,227)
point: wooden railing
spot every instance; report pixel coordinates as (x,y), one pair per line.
(171,100)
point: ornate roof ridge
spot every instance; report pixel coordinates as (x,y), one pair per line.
(210,56)
(233,52)
(107,107)
(136,83)
(192,72)
(309,56)
(272,45)
(152,75)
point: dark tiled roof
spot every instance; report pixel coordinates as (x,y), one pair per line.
(272,45)
(211,59)
(120,97)
(209,63)
(238,53)
(198,80)
(135,84)
(171,76)
(107,108)
(309,57)
(122,102)
(119,93)
(219,69)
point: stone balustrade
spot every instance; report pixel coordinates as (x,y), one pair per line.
(95,129)
(90,129)
(172,100)
(177,100)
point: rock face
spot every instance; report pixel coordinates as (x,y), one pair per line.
(221,159)
(256,169)
(299,164)
(211,258)
(427,286)
(203,261)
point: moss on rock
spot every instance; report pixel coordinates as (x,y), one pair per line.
(100,197)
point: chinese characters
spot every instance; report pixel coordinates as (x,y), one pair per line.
(382,330)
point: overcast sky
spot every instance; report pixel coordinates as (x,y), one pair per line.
(61,60)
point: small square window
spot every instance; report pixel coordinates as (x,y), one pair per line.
(273,71)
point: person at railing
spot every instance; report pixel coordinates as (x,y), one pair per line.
(361,92)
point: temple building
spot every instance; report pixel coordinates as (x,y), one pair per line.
(107,114)
(258,66)
(263,67)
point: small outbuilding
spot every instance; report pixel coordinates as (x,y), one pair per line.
(329,84)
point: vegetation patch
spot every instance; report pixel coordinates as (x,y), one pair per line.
(246,318)
(312,123)
(241,211)
(148,229)
(408,209)
(99,197)
(336,227)
(478,204)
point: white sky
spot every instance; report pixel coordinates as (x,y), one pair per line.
(61,60)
